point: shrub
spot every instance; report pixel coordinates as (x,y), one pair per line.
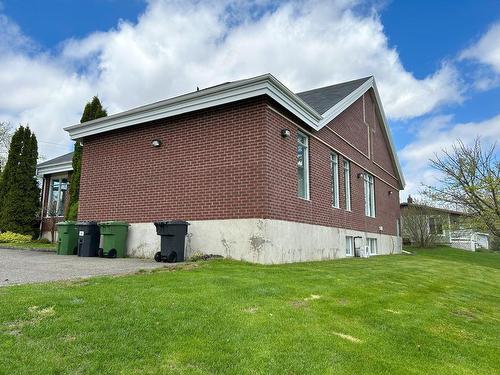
(197,256)
(11,237)
(42,240)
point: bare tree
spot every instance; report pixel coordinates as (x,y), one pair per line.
(5,136)
(471,180)
(421,223)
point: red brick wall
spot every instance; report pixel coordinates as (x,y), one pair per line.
(281,173)
(210,166)
(229,162)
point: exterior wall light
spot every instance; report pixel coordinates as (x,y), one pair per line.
(360,174)
(389,192)
(285,133)
(156,143)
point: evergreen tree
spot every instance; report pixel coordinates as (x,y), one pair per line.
(19,191)
(93,110)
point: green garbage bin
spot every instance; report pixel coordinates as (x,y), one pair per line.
(114,239)
(67,242)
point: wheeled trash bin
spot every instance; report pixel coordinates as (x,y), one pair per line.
(67,238)
(173,238)
(88,238)
(114,239)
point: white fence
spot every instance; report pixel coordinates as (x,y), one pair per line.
(468,240)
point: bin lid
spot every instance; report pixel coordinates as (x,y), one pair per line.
(86,223)
(171,222)
(113,223)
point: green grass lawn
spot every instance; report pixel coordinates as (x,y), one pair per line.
(437,312)
(28,245)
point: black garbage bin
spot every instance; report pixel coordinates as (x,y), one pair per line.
(173,237)
(88,238)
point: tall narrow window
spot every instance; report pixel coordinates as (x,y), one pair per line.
(369,188)
(347,184)
(335,179)
(303,165)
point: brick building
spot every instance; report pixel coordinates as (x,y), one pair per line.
(262,174)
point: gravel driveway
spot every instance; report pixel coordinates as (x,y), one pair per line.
(25,266)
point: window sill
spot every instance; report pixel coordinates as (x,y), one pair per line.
(305,199)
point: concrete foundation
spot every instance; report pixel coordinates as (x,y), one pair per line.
(260,240)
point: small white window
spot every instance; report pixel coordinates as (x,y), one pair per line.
(335,179)
(303,165)
(347,184)
(369,188)
(349,246)
(372,245)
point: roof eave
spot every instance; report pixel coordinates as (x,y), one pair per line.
(54,168)
(262,85)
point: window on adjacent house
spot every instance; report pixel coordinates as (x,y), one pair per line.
(349,246)
(57,195)
(347,184)
(372,245)
(335,179)
(369,188)
(435,226)
(303,165)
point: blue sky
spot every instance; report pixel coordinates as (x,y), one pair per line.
(436,62)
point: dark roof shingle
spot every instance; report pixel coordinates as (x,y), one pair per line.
(324,98)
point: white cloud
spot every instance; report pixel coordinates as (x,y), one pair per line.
(487,49)
(178,45)
(434,135)
(486,53)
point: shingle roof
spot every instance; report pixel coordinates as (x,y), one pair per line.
(324,98)
(60,159)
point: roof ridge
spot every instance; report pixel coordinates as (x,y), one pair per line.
(364,79)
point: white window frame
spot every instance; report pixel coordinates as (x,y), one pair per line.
(347,184)
(349,246)
(369,189)
(305,145)
(49,197)
(334,166)
(372,246)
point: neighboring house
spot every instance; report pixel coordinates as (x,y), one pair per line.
(55,175)
(448,228)
(261,173)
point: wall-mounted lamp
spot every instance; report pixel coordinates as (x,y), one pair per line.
(381,228)
(389,192)
(360,174)
(285,133)
(156,143)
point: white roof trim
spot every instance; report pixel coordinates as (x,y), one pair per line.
(66,166)
(223,94)
(265,84)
